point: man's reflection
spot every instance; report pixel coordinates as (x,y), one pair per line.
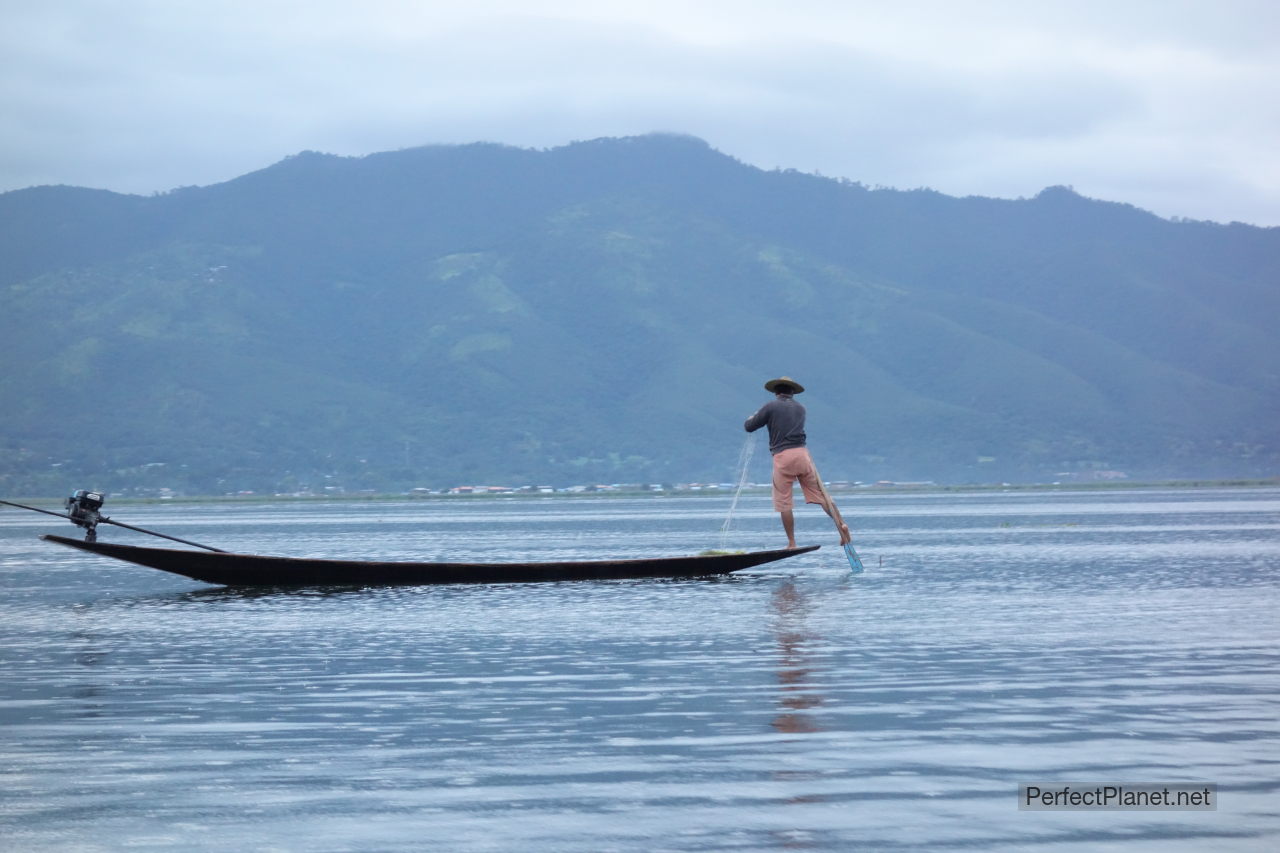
(799,698)
(799,695)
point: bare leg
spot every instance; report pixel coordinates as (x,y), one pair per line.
(812,482)
(789,527)
(829,509)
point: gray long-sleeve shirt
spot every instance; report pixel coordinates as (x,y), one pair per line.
(785,419)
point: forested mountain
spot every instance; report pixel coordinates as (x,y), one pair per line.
(607,312)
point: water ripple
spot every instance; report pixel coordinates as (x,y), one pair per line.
(794,706)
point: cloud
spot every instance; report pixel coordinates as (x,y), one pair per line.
(1168,105)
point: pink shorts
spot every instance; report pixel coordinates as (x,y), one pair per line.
(790,465)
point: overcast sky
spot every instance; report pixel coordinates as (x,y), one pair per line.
(1170,105)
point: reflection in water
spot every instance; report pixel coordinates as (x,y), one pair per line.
(799,696)
(88,653)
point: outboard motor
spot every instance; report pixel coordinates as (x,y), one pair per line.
(82,508)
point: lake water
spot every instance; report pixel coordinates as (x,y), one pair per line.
(996,639)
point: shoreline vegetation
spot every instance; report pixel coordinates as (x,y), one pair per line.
(965,340)
(637,491)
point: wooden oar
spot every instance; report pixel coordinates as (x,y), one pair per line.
(855,562)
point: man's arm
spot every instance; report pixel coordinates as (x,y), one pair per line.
(759,419)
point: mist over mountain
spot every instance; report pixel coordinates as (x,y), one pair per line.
(608,312)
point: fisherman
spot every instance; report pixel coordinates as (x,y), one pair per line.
(791,460)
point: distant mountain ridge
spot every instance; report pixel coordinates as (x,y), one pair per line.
(606,312)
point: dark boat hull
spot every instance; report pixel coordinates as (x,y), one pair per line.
(254,570)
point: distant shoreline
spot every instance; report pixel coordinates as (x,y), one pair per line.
(704,492)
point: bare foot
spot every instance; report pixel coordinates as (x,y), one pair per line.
(845,538)
(791,546)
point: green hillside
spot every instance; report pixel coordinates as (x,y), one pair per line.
(607,312)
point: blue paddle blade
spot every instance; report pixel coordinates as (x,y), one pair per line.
(855,563)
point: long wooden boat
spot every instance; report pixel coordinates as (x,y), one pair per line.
(226,569)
